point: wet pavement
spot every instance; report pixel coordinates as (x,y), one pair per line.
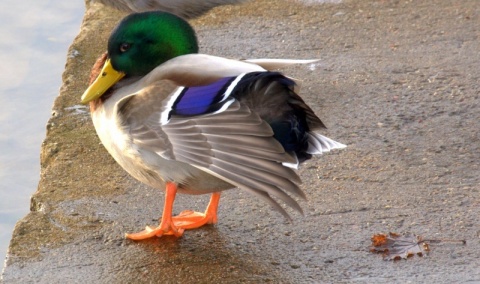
(397,82)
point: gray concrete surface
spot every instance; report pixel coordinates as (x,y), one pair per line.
(398,82)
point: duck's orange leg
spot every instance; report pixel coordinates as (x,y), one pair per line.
(166,227)
(187,219)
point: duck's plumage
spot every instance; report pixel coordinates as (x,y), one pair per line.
(185,121)
(184,8)
(206,124)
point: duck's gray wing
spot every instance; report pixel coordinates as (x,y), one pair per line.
(231,143)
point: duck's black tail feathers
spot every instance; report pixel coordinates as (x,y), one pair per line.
(272,96)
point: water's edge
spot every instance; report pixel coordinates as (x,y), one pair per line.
(58,156)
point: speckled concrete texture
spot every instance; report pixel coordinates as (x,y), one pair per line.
(397,81)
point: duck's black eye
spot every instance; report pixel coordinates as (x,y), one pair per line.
(124,47)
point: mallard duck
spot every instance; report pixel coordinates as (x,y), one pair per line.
(184,8)
(196,124)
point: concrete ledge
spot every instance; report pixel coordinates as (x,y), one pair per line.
(398,83)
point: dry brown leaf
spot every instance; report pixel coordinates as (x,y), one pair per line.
(395,247)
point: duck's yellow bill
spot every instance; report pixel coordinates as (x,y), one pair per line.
(107,78)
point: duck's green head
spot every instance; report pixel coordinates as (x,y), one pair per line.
(138,44)
(141,42)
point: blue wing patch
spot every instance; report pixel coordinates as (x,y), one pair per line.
(203,99)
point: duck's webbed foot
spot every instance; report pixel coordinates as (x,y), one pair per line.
(176,225)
